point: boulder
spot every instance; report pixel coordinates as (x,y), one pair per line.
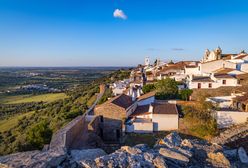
(116,159)
(173,138)
(87,154)
(218,159)
(4,166)
(149,156)
(231,153)
(242,155)
(175,156)
(130,150)
(142,147)
(159,162)
(186,143)
(137,161)
(18,159)
(36,159)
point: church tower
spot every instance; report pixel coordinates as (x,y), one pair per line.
(147,61)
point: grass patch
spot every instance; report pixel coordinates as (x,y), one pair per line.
(9,123)
(50,97)
(91,100)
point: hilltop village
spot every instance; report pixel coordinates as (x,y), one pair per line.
(166,114)
(132,110)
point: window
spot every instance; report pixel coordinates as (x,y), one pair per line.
(199,86)
(210,85)
(224,82)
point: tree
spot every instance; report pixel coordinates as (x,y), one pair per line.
(185,94)
(166,89)
(39,134)
(148,88)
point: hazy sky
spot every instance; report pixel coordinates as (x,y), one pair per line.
(117,32)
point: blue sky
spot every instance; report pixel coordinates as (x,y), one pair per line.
(85,32)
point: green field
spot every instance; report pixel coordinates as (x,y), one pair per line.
(31,98)
(7,124)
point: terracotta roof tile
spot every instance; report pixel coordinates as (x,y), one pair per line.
(140,110)
(122,100)
(202,79)
(147,95)
(223,75)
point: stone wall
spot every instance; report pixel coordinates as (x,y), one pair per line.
(65,136)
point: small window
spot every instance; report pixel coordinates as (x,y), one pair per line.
(199,86)
(224,82)
(210,85)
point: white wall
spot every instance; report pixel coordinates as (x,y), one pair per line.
(204,85)
(228,118)
(192,71)
(229,82)
(216,84)
(118,91)
(143,127)
(212,66)
(165,122)
(244,67)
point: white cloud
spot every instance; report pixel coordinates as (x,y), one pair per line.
(119,14)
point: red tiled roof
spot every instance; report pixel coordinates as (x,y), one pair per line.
(140,110)
(241,56)
(224,70)
(202,79)
(122,100)
(223,75)
(147,95)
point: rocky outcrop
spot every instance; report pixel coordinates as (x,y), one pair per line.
(243,155)
(171,151)
(87,154)
(218,159)
(231,134)
(36,159)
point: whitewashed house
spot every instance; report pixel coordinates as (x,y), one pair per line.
(153,117)
(120,87)
(219,78)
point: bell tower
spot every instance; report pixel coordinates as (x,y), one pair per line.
(147,61)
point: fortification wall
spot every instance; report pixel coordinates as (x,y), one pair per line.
(65,136)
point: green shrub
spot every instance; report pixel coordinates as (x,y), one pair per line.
(185,94)
(148,88)
(166,89)
(39,134)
